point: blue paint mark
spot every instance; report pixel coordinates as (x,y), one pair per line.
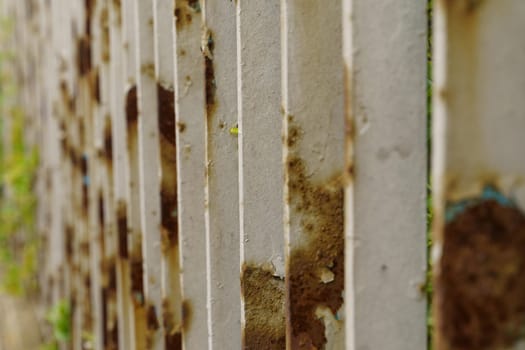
(85,180)
(489,193)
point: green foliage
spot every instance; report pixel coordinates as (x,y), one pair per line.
(18,165)
(60,318)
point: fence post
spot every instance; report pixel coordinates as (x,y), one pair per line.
(312,89)
(149,165)
(190,114)
(478,173)
(222,196)
(385,72)
(260,174)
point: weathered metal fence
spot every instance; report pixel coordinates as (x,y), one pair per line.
(253,174)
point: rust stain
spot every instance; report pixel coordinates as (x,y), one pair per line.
(152,324)
(89,7)
(173,331)
(480,288)
(95,86)
(108,142)
(349,174)
(84,55)
(122,229)
(211,86)
(264,300)
(320,207)
(118,5)
(181,126)
(69,237)
(132,119)
(184,12)
(137,280)
(104,26)
(168,194)
(85,185)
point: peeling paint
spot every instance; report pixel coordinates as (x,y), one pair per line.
(264,295)
(320,208)
(480,289)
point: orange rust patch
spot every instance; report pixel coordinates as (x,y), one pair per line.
(263,294)
(480,291)
(320,207)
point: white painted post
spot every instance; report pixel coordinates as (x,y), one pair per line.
(385,70)
(149,166)
(261,174)
(190,114)
(164,75)
(120,180)
(314,134)
(222,196)
(132,174)
(478,173)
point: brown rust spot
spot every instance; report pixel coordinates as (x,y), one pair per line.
(132,120)
(122,229)
(95,87)
(68,238)
(173,334)
(132,110)
(108,141)
(480,291)
(184,12)
(264,309)
(90,7)
(168,194)
(153,322)
(211,86)
(84,55)
(137,280)
(181,126)
(320,207)
(152,325)
(104,26)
